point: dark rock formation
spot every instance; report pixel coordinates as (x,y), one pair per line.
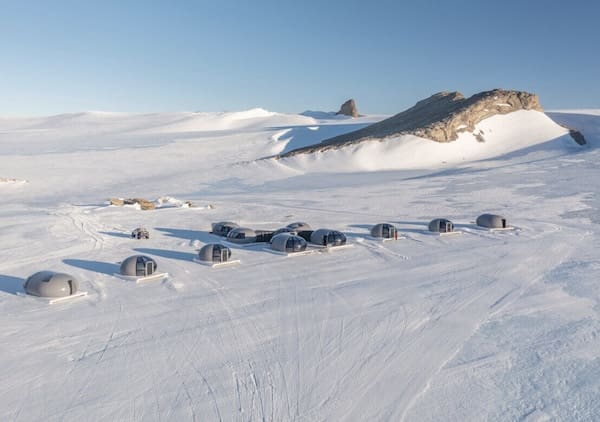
(349,108)
(577,136)
(440,118)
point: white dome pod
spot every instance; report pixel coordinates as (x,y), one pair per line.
(222,228)
(384,231)
(241,235)
(328,238)
(215,255)
(288,243)
(442,226)
(299,226)
(492,221)
(140,233)
(140,268)
(283,230)
(214,252)
(53,286)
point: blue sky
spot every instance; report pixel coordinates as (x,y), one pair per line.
(67,56)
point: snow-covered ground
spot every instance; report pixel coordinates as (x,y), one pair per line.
(478,326)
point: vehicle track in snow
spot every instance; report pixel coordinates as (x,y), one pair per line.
(534,247)
(231,304)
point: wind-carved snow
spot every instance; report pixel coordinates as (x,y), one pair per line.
(479,326)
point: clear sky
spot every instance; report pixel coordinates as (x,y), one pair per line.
(290,56)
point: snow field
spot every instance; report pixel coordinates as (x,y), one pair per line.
(486,325)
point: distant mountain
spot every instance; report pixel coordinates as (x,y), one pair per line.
(440,118)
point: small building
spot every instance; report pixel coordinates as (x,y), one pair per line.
(327,237)
(284,230)
(214,253)
(288,243)
(385,231)
(140,233)
(299,226)
(491,221)
(222,228)
(264,235)
(241,235)
(305,234)
(441,225)
(50,284)
(138,266)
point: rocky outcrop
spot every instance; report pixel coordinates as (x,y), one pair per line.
(10,180)
(577,136)
(349,108)
(440,118)
(144,204)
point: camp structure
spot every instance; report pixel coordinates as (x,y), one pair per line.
(284,230)
(215,255)
(384,231)
(140,233)
(328,238)
(241,236)
(299,226)
(140,268)
(222,228)
(441,226)
(492,222)
(52,286)
(305,234)
(263,235)
(289,244)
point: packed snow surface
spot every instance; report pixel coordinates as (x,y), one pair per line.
(478,326)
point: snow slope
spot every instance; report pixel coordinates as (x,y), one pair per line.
(478,326)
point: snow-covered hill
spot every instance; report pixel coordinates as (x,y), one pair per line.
(493,137)
(478,326)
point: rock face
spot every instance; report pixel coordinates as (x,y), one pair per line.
(349,108)
(440,118)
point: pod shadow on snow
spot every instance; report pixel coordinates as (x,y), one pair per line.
(422,229)
(397,224)
(362,226)
(116,234)
(165,253)
(352,235)
(10,284)
(96,266)
(471,226)
(203,236)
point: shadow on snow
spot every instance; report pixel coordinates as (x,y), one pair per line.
(10,284)
(96,266)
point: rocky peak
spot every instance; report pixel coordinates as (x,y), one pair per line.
(349,108)
(459,114)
